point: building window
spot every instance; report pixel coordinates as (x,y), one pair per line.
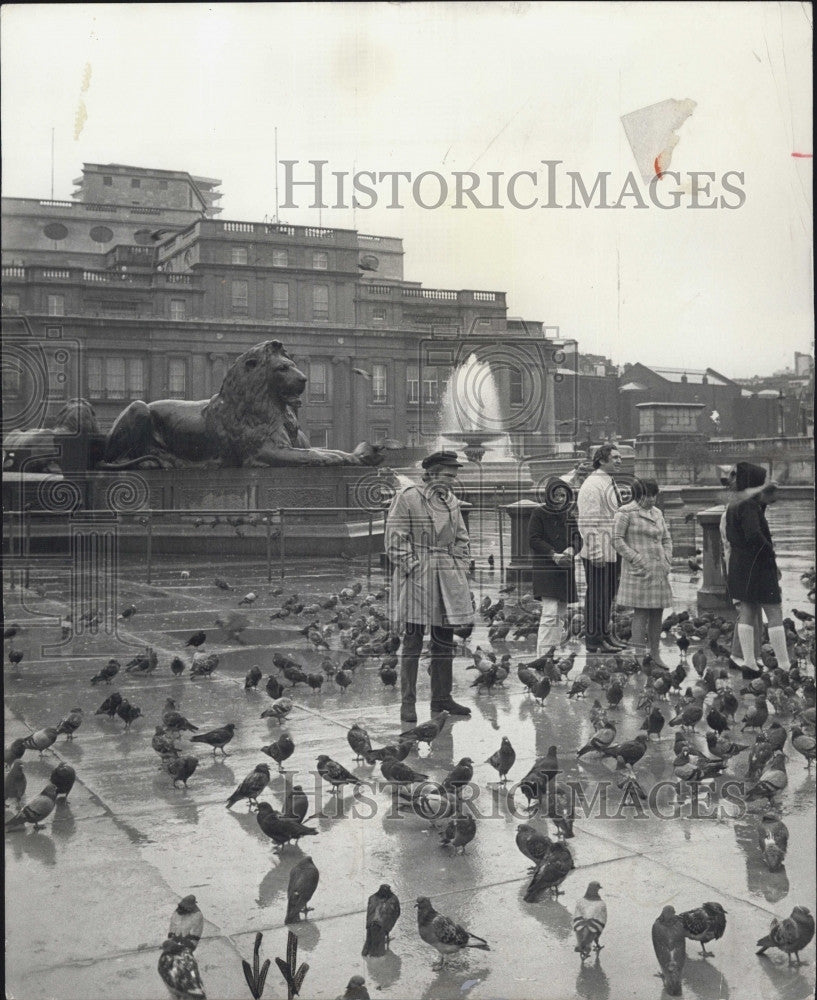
(163,185)
(318,381)
(431,391)
(516,391)
(107,180)
(280,300)
(240,296)
(320,260)
(280,258)
(238,255)
(379,434)
(135,182)
(319,437)
(136,378)
(56,305)
(320,302)
(177,308)
(379,385)
(378,315)
(412,384)
(115,378)
(11,303)
(176,378)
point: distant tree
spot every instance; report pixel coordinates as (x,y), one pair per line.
(693,454)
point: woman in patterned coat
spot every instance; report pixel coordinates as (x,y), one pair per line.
(642,539)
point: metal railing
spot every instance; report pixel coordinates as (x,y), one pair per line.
(273,520)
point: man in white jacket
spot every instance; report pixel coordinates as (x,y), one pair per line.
(597,503)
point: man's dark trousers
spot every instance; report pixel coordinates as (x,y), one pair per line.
(602,584)
(441,648)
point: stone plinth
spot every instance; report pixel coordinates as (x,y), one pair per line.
(520,568)
(712,595)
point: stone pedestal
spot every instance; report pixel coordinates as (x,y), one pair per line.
(712,595)
(520,568)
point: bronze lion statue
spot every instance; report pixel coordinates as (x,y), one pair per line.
(252,421)
(42,449)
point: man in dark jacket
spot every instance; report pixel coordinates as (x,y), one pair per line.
(554,540)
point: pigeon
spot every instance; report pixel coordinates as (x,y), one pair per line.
(503,759)
(281,829)
(804,745)
(128,612)
(14,751)
(35,810)
(274,687)
(296,804)
(336,774)
(790,935)
(355,990)
(278,710)
(427,732)
(177,666)
(559,807)
(359,741)
(110,705)
(62,778)
(180,971)
(599,741)
(400,774)
(253,677)
(534,845)
(216,738)
(549,874)
(458,833)
(705,924)
(15,656)
(669,942)
(589,920)
(315,681)
(221,584)
(630,752)
(459,776)
(303,881)
(343,679)
(281,750)
(654,723)
(772,781)
(197,639)
(249,598)
(15,784)
(388,675)
(203,666)
(399,751)
(756,715)
(143,664)
(443,934)
(174,721)
(182,768)
(382,913)
(186,923)
(251,787)
(107,673)
(41,739)
(71,723)
(164,744)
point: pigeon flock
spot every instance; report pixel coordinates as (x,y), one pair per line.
(706,722)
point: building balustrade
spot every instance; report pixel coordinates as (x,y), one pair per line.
(757,444)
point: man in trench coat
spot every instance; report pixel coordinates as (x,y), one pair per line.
(428,545)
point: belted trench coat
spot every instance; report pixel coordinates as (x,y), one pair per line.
(428,545)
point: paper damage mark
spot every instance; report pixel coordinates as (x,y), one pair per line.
(651,133)
(82,115)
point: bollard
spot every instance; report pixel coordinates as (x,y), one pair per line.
(149,546)
(281,542)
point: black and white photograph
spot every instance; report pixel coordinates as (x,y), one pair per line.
(408,501)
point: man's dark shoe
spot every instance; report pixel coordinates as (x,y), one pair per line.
(612,641)
(607,647)
(408,713)
(450,706)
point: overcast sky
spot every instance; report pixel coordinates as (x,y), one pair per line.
(482,87)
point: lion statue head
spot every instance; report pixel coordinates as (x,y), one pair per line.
(258,401)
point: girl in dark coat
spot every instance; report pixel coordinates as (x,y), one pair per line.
(554,540)
(753,577)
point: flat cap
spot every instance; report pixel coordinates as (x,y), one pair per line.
(442,458)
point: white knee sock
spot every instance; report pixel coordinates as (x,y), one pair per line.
(746,636)
(777,640)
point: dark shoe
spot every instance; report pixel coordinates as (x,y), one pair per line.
(450,706)
(608,647)
(611,641)
(408,713)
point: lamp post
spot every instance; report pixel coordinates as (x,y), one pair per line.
(781,416)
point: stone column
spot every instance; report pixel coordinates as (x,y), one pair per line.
(712,595)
